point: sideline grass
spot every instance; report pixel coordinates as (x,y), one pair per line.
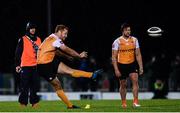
(96,106)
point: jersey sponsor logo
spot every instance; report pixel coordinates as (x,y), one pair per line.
(128,50)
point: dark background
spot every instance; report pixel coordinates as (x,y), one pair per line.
(94,25)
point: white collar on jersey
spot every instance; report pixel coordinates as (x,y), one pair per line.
(121,37)
(55,36)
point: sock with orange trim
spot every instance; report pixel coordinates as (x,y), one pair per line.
(135,100)
(123,102)
(78,73)
(64,98)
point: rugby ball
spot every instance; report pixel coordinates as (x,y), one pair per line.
(154,32)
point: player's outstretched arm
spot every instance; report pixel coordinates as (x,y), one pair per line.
(72,52)
(64,55)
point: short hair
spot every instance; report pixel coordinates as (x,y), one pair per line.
(60,27)
(124,25)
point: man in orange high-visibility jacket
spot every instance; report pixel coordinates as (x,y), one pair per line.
(26,62)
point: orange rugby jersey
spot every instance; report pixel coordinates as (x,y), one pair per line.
(48,48)
(126,49)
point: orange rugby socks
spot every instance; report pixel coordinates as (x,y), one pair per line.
(78,73)
(64,98)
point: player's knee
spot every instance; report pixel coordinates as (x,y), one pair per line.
(135,82)
(123,84)
(56,85)
(134,77)
(136,85)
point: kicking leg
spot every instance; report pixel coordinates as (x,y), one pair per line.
(64,69)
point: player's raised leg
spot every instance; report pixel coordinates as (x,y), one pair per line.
(64,69)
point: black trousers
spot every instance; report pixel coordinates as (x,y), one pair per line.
(29,85)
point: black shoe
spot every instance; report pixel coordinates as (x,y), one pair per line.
(96,73)
(74,107)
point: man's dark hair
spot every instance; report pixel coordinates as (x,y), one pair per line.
(60,27)
(124,25)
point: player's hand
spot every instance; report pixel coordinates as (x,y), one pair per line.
(83,54)
(141,71)
(117,73)
(18,69)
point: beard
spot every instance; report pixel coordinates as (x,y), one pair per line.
(126,35)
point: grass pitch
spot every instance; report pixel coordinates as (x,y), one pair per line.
(96,106)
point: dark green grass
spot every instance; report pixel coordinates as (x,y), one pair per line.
(96,106)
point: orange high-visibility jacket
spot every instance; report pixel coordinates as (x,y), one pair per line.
(28,57)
